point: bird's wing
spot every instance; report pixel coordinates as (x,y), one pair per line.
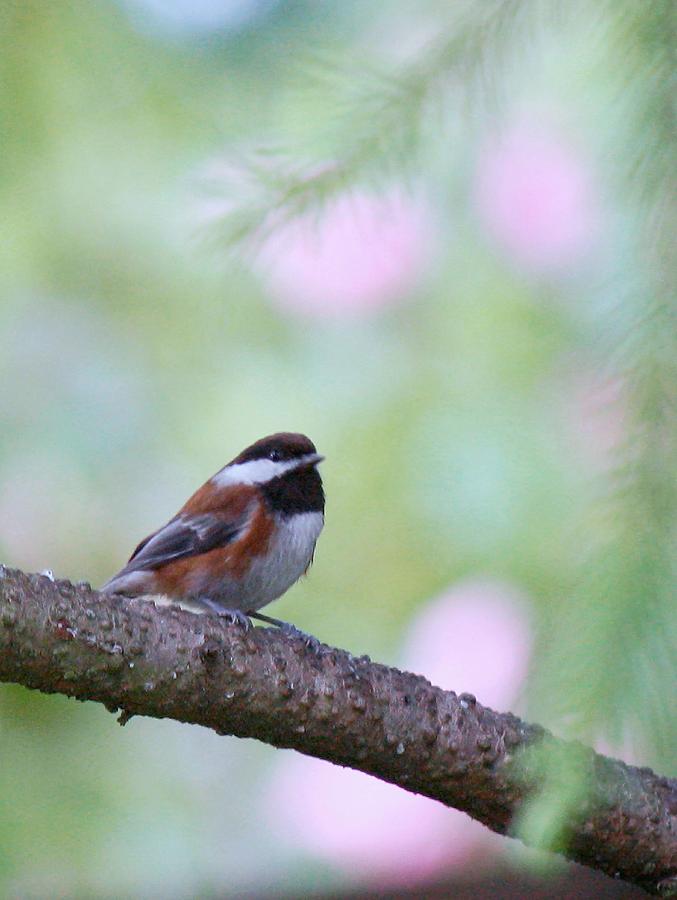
(184,535)
(208,520)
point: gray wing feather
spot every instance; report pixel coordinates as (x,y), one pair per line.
(182,536)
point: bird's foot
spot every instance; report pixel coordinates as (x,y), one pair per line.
(237,617)
(291,630)
(234,616)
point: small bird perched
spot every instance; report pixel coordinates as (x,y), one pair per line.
(242,539)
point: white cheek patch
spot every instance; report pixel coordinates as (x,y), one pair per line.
(256,471)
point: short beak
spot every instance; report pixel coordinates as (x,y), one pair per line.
(313,459)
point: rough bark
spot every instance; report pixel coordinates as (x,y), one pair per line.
(165,662)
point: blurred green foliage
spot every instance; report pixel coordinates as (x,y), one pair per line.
(140,350)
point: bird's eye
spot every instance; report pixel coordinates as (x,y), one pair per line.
(275,455)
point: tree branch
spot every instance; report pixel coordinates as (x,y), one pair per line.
(168,663)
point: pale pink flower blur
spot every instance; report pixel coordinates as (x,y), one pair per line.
(362,253)
(534,194)
(475,638)
(367,828)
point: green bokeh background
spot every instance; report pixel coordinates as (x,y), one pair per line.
(137,356)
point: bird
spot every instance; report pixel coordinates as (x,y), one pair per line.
(241,540)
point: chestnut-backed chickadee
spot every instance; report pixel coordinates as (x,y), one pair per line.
(242,539)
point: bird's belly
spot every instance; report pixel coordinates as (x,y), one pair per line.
(289,555)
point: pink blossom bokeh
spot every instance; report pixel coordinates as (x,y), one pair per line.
(362,253)
(475,638)
(534,194)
